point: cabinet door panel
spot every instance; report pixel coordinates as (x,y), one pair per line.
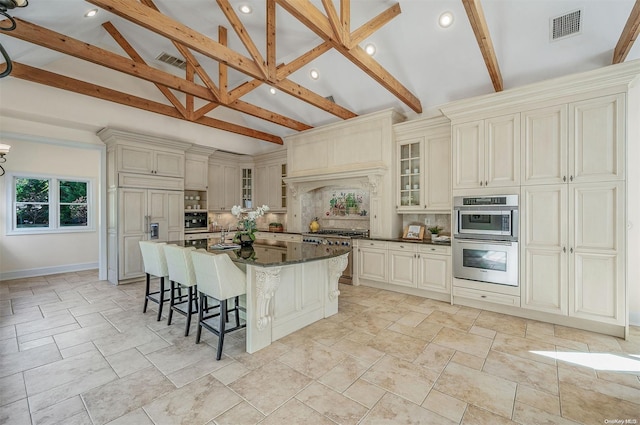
(434,273)
(503,151)
(135,160)
(544,235)
(169,164)
(438,173)
(598,210)
(402,268)
(597,135)
(231,187)
(596,292)
(195,173)
(544,140)
(372,264)
(468,154)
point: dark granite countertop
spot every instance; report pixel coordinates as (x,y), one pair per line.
(421,242)
(271,253)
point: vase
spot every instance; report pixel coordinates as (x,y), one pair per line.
(243,238)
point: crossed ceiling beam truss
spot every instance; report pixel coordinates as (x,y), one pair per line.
(330,26)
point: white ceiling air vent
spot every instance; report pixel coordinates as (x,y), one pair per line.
(566,25)
(171,60)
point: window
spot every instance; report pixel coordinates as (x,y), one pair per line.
(50,204)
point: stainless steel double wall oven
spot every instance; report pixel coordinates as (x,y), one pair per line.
(485,239)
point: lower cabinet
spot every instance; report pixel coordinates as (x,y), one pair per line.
(573,249)
(411,265)
(372,261)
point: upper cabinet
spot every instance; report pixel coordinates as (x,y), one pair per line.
(224,186)
(423,149)
(271,190)
(574,142)
(487,152)
(143,160)
(196,171)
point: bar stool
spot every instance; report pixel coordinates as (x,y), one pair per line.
(219,278)
(181,275)
(155,264)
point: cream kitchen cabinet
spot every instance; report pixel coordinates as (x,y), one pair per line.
(271,169)
(143,160)
(573,240)
(196,172)
(486,153)
(142,213)
(372,259)
(424,166)
(403,260)
(224,186)
(434,268)
(574,142)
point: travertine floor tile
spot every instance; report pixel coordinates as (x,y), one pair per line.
(124,395)
(79,351)
(462,341)
(392,409)
(478,388)
(296,412)
(195,403)
(332,404)
(283,382)
(402,378)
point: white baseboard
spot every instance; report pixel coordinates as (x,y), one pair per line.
(44,271)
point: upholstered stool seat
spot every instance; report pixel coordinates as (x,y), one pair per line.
(219,278)
(155,264)
(181,275)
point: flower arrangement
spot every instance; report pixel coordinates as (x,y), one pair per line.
(247,221)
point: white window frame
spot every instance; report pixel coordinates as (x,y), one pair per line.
(54,205)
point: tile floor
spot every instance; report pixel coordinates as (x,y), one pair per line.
(76,350)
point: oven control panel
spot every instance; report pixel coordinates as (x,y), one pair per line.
(319,240)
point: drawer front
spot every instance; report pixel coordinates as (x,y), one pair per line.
(434,249)
(372,244)
(406,247)
(486,296)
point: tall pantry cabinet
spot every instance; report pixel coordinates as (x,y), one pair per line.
(575,140)
(145,198)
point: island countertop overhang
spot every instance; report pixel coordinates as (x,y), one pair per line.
(270,253)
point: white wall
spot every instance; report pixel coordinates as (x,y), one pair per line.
(49,150)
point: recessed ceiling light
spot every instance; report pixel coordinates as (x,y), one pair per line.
(445,20)
(272,90)
(91,13)
(245,8)
(314,74)
(370,48)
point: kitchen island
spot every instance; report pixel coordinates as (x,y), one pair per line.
(289,285)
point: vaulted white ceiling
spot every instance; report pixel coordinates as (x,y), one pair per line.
(437,65)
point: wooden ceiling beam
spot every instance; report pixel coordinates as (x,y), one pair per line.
(629,35)
(334,21)
(170,28)
(243,35)
(364,31)
(51,79)
(345,17)
(174,30)
(310,16)
(191,59)
(287,69)
(481,31)
(271,40)
(128,48)
(223,70)
(55,41)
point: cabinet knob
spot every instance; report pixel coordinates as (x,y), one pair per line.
(571,178)
(480,182)
(564,178)
(571,250)
(486,183)
(564,249)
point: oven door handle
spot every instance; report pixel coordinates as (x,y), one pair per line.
(485,212)
(484,242)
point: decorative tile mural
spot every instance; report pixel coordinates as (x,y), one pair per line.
(341,203)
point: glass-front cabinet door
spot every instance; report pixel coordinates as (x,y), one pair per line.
(247,186)
(410,172)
